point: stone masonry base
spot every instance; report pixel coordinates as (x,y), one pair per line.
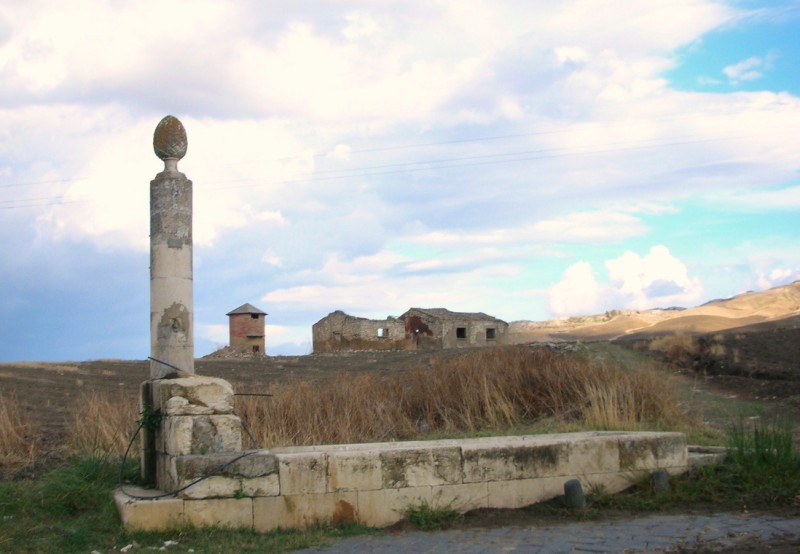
(373,484)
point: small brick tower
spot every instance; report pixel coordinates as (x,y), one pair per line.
(247,329)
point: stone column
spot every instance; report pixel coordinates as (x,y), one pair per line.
(190,415)
(171,299)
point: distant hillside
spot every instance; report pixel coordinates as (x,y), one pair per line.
(751,310)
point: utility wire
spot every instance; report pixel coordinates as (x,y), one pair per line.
(417,166)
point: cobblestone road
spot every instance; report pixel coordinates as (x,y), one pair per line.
(664,533)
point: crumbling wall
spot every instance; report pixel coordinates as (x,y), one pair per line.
(430,331)
(419,333)
(341,332)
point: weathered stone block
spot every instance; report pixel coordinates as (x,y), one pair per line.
(255,464)
(596,454)
(234,513)
(523,492)
(231,487)
(162,514)
(167,476)
(354,471)
(384,507)
(269,485)
(178,405)
(653,450)
(305,510)
(515,461)
(253,475)
(611,483)
(215,434)
(202,396)
(303,473)
(460,497)
(212,487)
(421,467)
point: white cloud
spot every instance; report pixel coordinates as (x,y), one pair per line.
(600,226)
(777,277)
(634,282)
(270,258)
(277,332)
(215,333)
(254,164)
(657,279)
(778,199)
(360,26)
(749,69)
(340,152)
(578,292)
(571,54)
(593,227)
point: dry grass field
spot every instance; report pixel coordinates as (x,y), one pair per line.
(44,402)
(48,410)
(745,348)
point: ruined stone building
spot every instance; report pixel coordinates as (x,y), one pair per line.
(246,325)
(418,328)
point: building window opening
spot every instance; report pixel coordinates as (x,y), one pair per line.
(255,349)
(461,332)
(491,333)
(254,316)
(383,333)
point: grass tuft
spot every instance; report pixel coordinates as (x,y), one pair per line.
(427,518)
(678,348)
(764,462)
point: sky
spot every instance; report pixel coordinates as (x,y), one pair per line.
(526,159)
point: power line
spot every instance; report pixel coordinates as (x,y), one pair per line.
(417,166)
(487,138)
(34,183)
(408,167)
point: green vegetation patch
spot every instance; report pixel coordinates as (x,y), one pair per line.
(71,509)
(761,471)
(426,517)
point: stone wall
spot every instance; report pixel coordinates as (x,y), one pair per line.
(445,331)
(367,483)
(340,331)
(414,330)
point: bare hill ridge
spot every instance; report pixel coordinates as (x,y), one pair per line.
(744,310)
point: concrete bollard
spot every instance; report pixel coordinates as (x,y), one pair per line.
(661,482)
(573,495)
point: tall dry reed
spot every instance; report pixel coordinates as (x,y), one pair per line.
(487,390)
(102,425)
(19,439)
